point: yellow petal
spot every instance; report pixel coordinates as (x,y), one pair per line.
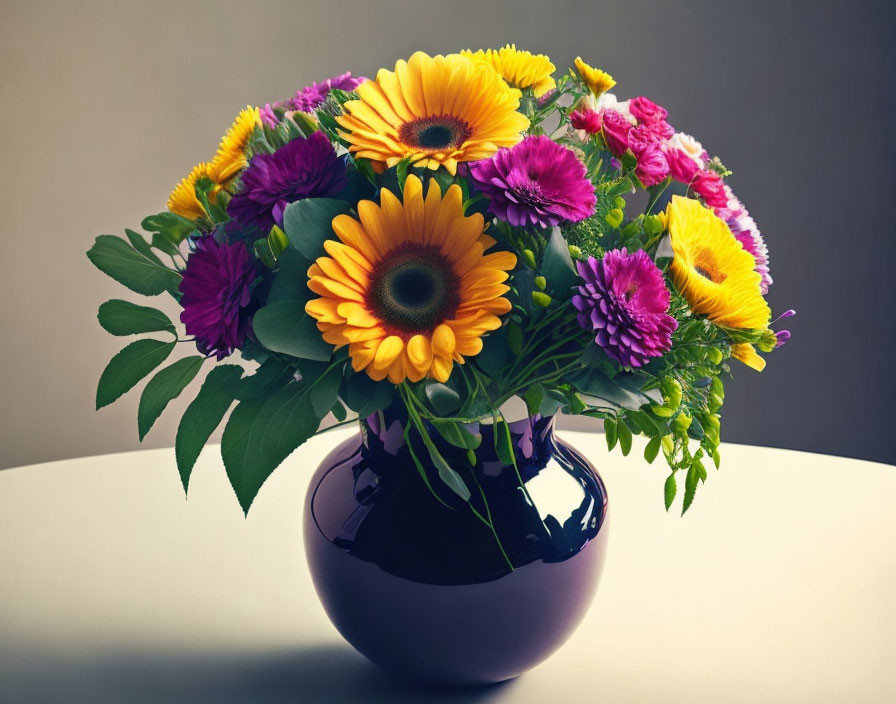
(441,368)
(420,352)
(357,314)
(388,350)
(443,341)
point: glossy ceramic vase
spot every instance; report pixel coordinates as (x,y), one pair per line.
(424,589)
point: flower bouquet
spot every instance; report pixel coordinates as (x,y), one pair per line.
(422,250)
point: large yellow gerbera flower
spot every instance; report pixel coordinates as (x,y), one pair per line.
(231,156)
(183,200)
(437,110)
(521,69)
(597,81)
(711,268)
(408,287)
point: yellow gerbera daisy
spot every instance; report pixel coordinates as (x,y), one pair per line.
(521,69)
(597,81)
(437,110)
(407,286)
(231,156)
(747,354)
(711,268)
(183,200)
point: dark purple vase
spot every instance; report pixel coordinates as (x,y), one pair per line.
(423,588)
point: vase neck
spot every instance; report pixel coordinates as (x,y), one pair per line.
(384,432)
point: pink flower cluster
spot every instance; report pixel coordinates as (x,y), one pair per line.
(640,125)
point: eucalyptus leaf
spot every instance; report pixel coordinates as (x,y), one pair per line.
(325,391)
(365,396)
(291,280)
(162,388)
(203,415)
(557,266)
(124,318)
(285,327)
(308,223)
(443,398)
(456,434)
(128,367)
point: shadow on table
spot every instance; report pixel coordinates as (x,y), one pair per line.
(327,673)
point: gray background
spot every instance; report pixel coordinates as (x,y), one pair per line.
(106,105)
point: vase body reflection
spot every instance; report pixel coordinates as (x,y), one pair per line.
(422,586)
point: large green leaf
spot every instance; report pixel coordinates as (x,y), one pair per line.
(291,280)
(171,226)
(557,267)
(285,327)
(308,223)
(128,367)
(456,433)
(162,388)
(118,259)
(261,433)
(203,415)
(443,398)
(124,318)
(622,391)
(365,396)
(323,395)
(139,243)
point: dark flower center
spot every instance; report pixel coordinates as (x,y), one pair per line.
(412,290)
(435,132)
(707,267)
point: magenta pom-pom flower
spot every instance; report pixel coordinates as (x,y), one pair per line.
(302,168)
(625,302)
(537,182)
(217,293)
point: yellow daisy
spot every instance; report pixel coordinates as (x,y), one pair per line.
(747,354)
(183,200)
(407,286)
(711,268)
(597,81)
(437,110)
(521,69)
(231,156)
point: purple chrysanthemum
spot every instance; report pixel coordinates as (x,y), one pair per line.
(302,168)
(625,302)
(310,97)
(537,182)
(216,295)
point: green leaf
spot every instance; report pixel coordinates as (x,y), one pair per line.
(448,475)
(514,338)
(308,223)
(652,450)
(124,318)
(495,353)
(338,411)
(690,487)
(610,432)
(625,437)
(162,388)
(456,434)
(139,243)
(203,415)
(443,398)
(128,367)
(534,396)
(365,396)
(263,432)
(270,376)
(670,488)
(504,444)
(325,391)
(285,327)
(557,266)
(618,391)
(119,260)
(291,281)
(172,227)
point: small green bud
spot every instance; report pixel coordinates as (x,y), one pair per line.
(671,393)
(575,252)
(528,256)
(540,282)
(631,230)
(718,387)
(767,341)
(619,202)
(542,300)
(662,411)
(653,225)
(682,422)
(715,402)
(715,355)
(667,443)
(471,457)
(614,217)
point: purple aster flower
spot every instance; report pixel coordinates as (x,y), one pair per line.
(625,302)
(216,295)
(302,168)
(310,97)
(537,182)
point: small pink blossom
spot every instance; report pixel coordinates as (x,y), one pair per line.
(711,188)
(585,119)
(681,166)
(652,166)
(616,130)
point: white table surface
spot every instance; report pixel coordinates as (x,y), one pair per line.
(778,586)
